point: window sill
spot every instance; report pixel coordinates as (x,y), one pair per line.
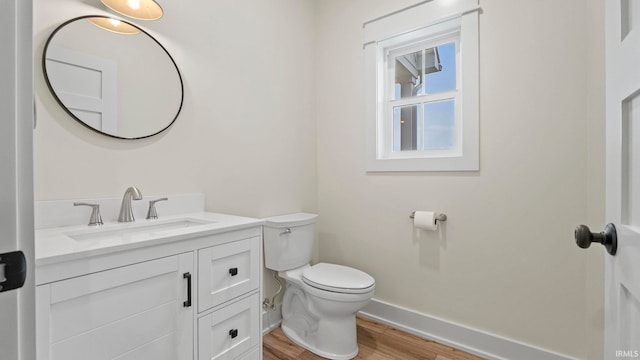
(424,164)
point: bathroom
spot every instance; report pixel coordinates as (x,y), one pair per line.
(273,123)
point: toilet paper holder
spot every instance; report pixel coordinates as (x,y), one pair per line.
(440,217)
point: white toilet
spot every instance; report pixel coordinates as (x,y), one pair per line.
(320,301)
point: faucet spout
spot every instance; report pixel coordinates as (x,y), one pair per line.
(126,212)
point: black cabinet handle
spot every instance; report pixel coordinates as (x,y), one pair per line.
(233,333)
(233,271)
(188,277)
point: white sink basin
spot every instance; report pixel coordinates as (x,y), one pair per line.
(129,231)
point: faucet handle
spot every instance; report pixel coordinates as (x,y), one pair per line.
(152,213)
(95,219)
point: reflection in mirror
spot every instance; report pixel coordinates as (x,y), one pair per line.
(113,77)
(114,25)
(137,9)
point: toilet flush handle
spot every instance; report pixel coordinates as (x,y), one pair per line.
(286,231)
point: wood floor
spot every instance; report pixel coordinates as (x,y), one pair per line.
(376,342)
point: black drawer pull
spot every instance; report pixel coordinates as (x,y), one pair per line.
(188,277)
(233,333)
(233,271)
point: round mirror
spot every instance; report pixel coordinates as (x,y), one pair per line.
(113,77)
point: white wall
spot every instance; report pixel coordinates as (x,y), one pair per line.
(595,115)
(246,135)
(505,262)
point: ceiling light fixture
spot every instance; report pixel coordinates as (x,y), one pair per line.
(137,9)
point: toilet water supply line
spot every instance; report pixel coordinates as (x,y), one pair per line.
(271,304)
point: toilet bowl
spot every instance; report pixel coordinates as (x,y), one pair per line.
(320,301)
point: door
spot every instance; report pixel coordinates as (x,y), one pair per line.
(87,86)
(17,315)
(622,271)
(137,312)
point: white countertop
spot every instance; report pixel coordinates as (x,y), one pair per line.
(59,244)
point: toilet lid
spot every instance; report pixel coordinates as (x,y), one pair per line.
(338,278)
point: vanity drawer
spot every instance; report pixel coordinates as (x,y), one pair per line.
(229,332)
(227,271)
(253,355)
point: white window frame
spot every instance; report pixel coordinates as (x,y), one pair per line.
(424,25)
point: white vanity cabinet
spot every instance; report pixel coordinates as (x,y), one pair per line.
(133,312)
(191,297)
(228,328)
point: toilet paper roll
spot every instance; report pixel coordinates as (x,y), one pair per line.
(425,220)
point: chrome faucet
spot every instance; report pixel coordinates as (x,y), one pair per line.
(152,213)
(96,218)
(126,213)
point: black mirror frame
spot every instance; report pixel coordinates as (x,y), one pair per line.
(55,96)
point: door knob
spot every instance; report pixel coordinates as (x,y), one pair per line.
(608,238)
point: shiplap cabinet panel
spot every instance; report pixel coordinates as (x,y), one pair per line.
(132,312)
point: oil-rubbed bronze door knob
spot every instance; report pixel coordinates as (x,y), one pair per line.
(608,238)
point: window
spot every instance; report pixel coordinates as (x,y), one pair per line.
(420,98)
(422,88)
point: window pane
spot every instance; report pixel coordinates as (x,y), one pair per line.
(405,127)
(408,75)
(426,71)
(443,79)
(439,125)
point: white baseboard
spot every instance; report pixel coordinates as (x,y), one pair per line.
(455,335)
(271,319)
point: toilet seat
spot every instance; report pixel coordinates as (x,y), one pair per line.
(338,278)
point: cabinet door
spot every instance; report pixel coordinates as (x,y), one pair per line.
(135,312)
(229,332)
(227,271)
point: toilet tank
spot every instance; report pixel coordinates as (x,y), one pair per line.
(288,241)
